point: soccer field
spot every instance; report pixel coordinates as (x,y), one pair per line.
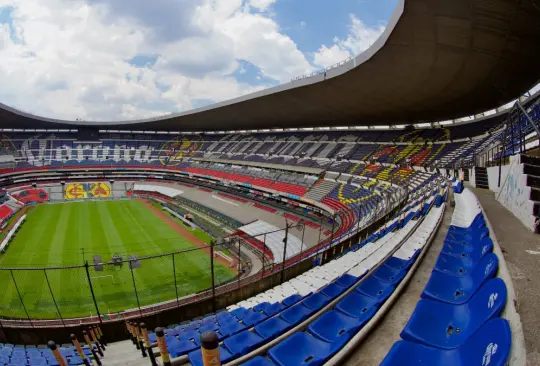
(67,234)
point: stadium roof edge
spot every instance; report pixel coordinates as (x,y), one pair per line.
(459,58)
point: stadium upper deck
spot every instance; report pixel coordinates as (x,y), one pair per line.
(435,61)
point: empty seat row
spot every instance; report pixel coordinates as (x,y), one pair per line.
(325,336)
(250,323)
(456,322)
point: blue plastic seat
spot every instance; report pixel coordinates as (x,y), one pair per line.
(75,361)
(195,357)
(333,290)
(240,313)
(388,274)
(296,314)
(334,326)
(271,328)
(261,307)
(208,320)
(376,288)
(209,326)
(316,301)
(243,343)
(227,320)
(455,266)
(448,326)
(490,345)
(474,251)
(259,361)
(467,236)
(302,349)
(253,318)
(458,290)
(347,280)
(291,300)
(233,328)
(40,361)
(194,325)
(273,309)
(180,348)
(224,316)
(189,335)
(399,263)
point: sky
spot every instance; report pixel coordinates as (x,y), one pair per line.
(112,60)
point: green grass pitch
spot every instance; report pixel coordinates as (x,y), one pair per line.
(65,234)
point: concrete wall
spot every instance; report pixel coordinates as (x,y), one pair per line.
(493,177)
(514,193)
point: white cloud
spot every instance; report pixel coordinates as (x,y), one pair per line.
(71,60)
(261,5)
(360,38)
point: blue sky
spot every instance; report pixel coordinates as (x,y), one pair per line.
(113,60)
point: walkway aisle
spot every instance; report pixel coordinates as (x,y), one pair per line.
(124,353)
(522,253)
(376,346)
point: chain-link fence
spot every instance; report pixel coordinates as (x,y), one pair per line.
(108,288)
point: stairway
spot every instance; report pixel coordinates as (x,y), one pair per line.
(481,178)
(531,167)
(520,192)
(466,177)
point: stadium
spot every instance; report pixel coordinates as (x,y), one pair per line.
(374,212)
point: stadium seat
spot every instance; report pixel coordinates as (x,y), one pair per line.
(75,361)
(296,314)
(333,290)
(302,349)
(243,343)
(399,263)
(455,266)
(179,348)
(271,328)
(473,251)
(233,328)
(388,274)
(195,357)
(316,301)
(291,300)
(273,309)
(448,326)
(253,318)
(358,306)
(458,290)
(240,313)
(189,335)
(347,280)
(490,345)
(335,326)
(376,289)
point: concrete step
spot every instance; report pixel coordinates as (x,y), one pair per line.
(531,170)
(533,181)
(535,195)
(124,353)
(532,160)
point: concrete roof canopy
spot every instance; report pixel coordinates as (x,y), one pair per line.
(436,60)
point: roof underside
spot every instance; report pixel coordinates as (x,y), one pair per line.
(442,60)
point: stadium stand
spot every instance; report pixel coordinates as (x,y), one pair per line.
(462,301)
(334,301)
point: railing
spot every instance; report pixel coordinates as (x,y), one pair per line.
(323,71)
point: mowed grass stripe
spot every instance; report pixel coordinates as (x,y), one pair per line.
(54,234)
